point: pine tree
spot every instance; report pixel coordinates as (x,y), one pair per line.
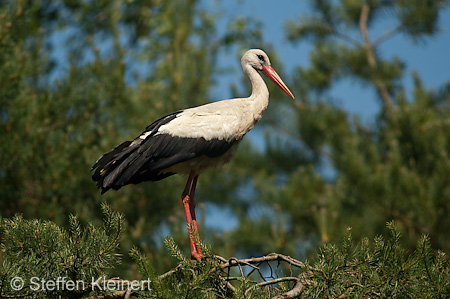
(41,258)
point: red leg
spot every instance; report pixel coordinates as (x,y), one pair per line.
(189,210)
(192,209)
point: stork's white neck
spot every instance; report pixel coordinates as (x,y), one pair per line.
(260,93)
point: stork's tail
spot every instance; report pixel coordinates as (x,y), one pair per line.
(109,166)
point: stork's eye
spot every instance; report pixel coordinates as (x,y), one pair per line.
(260,57)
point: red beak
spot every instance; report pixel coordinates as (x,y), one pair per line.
(270,72)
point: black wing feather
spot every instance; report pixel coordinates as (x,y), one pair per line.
(144,160)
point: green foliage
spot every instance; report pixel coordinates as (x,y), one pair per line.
(79,77)
(38,251)
(380,270)
(175,251)
(190,279)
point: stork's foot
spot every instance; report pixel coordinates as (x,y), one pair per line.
(196,252)
(189,209)
(197,256)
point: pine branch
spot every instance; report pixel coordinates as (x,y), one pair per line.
(271,282)
(302,282)
(347,38)
(371,56)
(171,272)
(175,251)
(266,258)
(387,36)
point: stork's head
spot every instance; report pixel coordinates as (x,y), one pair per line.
(259,60)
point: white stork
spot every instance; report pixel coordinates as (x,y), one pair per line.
(190,141)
